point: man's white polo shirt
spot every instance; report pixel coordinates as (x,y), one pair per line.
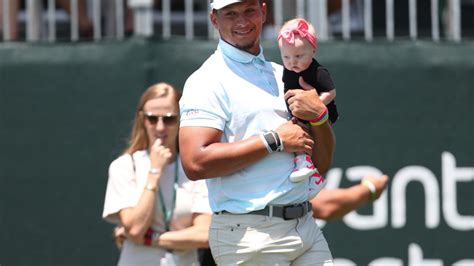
(242,95)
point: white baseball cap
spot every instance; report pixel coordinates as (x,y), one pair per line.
(218,4)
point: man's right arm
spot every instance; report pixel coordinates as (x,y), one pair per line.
(204,156)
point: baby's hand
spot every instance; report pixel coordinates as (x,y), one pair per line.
(327,96)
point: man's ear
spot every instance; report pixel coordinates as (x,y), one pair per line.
(213,18)
(264,11)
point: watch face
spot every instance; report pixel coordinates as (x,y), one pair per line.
(154,171)
(151,187)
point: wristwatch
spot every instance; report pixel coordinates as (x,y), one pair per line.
(154,171)
(151,187)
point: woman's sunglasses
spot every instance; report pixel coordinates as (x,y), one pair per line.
(168,119)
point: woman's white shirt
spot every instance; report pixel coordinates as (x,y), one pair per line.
(124,188)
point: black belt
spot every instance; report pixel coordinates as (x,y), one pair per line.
(287,212)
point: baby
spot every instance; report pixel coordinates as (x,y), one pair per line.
(297,42)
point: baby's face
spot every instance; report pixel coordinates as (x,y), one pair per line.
(298,56)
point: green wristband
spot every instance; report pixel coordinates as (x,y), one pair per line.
(371,187)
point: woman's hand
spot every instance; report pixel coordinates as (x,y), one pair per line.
(119,235)
(159,157)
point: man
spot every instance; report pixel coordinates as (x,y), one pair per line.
(234,133)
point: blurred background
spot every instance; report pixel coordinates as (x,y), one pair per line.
(71,72)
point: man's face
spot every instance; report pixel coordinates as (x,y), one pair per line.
(240,24)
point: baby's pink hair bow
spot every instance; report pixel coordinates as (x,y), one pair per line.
(301,29)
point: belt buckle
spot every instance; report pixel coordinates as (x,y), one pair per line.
(293,211)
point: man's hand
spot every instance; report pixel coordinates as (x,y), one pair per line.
(295,138)
(304,104)
(380,183)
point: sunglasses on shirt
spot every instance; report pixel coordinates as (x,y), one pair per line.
(167,119)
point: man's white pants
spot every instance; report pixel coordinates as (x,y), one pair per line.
(249,239)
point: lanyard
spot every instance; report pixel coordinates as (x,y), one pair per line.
(168,213)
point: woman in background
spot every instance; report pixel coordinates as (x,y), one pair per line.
(164,216)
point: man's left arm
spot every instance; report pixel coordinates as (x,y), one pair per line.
(324,145)
(306,105)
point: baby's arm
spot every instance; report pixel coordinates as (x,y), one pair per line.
(327,96)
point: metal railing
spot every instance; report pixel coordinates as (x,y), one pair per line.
(40,21)
(316,12)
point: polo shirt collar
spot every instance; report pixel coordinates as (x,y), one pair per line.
(239,55)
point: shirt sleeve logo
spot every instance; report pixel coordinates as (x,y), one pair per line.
(191,113)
